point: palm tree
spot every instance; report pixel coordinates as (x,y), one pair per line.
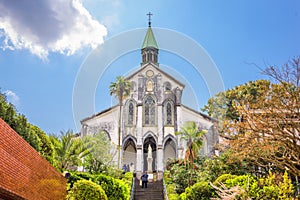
(121,90)
(68,150)
(193,136)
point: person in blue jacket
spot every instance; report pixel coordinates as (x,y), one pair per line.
(144,178)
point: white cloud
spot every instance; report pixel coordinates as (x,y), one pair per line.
(63,26)
(12,97)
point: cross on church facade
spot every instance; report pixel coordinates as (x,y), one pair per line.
(149,18)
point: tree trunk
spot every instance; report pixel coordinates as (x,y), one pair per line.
(119,136)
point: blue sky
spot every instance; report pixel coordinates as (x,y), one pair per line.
(43,47)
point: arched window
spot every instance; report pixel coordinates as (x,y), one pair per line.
(130,114)
(169,114)
(149,111)
(149,86)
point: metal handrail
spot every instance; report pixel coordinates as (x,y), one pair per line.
(165,190)
(132,188)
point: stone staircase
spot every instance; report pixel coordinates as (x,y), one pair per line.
(154,191)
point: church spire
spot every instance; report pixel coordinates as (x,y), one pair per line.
(149,47)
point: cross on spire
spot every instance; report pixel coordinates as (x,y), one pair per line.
(149,18)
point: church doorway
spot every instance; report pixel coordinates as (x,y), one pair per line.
(169,150)
(149,145)
(129,154)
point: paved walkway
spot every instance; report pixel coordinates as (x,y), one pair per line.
(154,191)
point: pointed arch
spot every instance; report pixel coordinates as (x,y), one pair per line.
(150,134)
(150,140)
(170,137)
(169,147)
(127,138)
(129,151)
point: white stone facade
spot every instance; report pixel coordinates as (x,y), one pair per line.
(150,116)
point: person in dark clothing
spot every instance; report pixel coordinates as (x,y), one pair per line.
(144,178)
(124,168)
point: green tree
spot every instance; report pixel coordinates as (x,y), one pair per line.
(223,105)
(193,136)
(33,135)
(121,89)
(100,155)
(45,145)
(265,128)
(69,150)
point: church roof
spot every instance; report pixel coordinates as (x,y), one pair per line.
(99,113)
(158,70)
(149,40)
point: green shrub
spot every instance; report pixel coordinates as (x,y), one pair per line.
(286,189)
(200,190)
(182,196)
(76,176)
(84,189)
(179,175)
(127,178)
(114,188)
(223,178)
(267,188)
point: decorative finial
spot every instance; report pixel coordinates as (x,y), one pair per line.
(149,18)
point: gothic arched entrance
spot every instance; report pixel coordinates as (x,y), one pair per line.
(129,153)
(149,141)
(169,150)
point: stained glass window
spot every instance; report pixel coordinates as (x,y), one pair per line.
(149,111)
(130,113)
(169,114)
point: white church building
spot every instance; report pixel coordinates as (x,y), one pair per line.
(151,115)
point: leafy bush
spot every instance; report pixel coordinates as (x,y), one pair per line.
(84,189)
(114,188)
(200,190)
(286,189)
(76,176)
(179,175)
(127,178)
(270,187)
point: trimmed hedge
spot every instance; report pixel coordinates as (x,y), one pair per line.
(84,189)
(115,189)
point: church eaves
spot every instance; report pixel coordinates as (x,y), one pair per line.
(149,40)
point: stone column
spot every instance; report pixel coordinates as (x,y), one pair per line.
(139,148)
(160,163)
(180,148)
(160,152)
(149,159)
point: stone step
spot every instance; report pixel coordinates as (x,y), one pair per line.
(154,191)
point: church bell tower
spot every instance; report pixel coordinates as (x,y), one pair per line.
(149,47)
